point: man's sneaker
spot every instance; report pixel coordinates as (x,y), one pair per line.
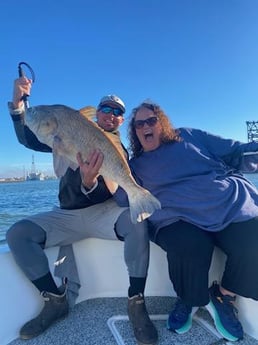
(55,308)
(180,318)
(224,314)
(143,328)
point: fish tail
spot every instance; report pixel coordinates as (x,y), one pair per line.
(142,204)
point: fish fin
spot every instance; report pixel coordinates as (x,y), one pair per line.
(113,139)
(60,160)
(89,112)
(61,164)
(142,204)
(117,145)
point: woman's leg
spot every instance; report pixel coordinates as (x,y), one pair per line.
(189,253)
(239,241)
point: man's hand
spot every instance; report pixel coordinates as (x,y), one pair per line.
(90,168)
(22,86)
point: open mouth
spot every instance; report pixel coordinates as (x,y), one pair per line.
(148,136)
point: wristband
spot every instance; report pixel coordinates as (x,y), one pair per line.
(87,191)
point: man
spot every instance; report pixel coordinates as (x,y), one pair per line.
(86,210)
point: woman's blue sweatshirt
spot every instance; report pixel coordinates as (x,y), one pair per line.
(199,180)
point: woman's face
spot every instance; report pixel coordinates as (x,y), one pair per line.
(148,132)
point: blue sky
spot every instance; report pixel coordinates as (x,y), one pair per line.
(197,58)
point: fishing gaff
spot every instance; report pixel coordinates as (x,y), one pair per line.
(22,74)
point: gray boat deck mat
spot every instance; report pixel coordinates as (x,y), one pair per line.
(104,321)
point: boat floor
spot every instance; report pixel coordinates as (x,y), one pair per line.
(104,321)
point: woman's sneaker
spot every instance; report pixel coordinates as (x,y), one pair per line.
(224,314)
(180,318)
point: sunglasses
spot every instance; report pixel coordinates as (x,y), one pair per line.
(115,111)
(151,121)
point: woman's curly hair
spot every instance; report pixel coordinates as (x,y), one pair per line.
(168,134)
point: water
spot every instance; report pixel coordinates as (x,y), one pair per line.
(20,199)
(253,178)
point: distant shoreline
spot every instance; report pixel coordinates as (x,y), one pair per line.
(14,179)
(8,180)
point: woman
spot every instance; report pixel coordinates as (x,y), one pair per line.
(206,202)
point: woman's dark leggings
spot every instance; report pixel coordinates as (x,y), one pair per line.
(189,253)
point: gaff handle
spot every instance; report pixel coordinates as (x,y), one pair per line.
(22,74)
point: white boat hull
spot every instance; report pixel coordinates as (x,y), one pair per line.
(97,261)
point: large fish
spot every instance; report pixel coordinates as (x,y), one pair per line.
(68,131)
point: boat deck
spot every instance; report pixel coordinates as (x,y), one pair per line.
(104,321)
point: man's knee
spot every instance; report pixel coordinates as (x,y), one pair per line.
(121,225)
(23,230)
(16,231)
(125,227)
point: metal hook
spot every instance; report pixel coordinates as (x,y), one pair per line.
(21,72)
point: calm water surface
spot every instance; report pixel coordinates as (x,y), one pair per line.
(19,199)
